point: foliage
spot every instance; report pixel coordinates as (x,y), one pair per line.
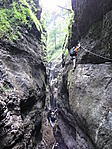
(69,33)
(70,24)
(4,88)
(32,15)
(13,15)
(66,52)
(56,55)
(57,21)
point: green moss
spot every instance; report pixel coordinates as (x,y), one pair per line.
(55,55)
(32,15)
(69,34)
(4,88)
(17,14)
(59,52)
(65,49)
(66,52)
(70,23)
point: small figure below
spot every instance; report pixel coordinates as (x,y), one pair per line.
(63,61)
(73,54)
(52,117)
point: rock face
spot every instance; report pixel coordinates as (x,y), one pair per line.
(87,13)
(93,25)
(22,91)
(85,96)
(85,106)
(91,99)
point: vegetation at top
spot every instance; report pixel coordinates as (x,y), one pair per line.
(58,23)
(15,13)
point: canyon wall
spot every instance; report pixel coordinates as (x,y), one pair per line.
(22,86)
(85,95)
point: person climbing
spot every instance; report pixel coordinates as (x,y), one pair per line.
(63,61)
(52,113)
(73,54)
(52,117)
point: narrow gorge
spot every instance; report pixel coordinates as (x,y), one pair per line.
(28,79)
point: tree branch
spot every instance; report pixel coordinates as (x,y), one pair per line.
(64,8)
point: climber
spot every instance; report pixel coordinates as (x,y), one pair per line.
(63,60)
(73,54)
(52,116)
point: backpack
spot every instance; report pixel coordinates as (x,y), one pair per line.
(72,52)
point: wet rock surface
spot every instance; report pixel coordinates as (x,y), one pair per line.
(84,107)
(69,123)
(22,92)
(87,13)
(91,98)
(84,96)
(68,132)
